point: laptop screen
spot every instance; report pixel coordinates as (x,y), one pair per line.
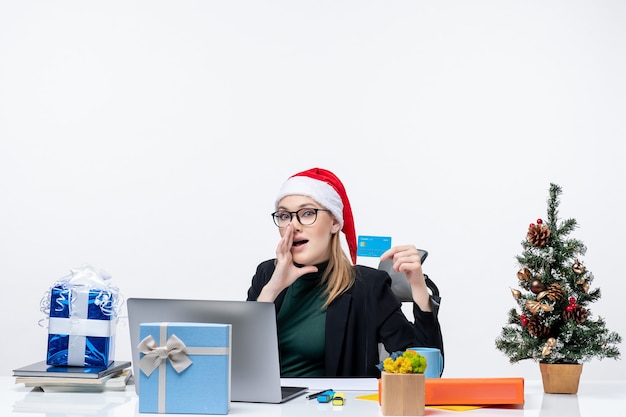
(255,369)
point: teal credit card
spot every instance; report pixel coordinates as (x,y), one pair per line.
(373,246)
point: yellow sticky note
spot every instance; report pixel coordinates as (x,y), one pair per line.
(371,397)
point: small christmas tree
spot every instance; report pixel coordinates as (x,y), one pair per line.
(554,323)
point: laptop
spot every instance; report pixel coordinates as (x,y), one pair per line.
(255,368)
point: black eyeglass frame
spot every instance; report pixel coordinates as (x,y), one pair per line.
(292,213)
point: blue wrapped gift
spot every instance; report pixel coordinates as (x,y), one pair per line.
(185,368)
(82,320)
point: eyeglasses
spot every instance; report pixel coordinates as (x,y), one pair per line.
(306,216)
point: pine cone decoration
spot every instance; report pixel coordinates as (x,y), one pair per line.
(538,235)
(536,327)
(554,292)
(579,314)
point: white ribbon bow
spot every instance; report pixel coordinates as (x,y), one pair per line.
(174,350)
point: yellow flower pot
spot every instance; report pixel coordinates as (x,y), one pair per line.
(402,394)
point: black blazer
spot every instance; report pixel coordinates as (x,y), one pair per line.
(361,318)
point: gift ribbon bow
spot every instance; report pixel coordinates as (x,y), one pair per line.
(174,350)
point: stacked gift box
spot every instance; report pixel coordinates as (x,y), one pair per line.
(82,312)
(185,368)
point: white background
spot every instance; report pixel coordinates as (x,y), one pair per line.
(149,138)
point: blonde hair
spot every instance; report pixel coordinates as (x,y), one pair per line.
(339,275)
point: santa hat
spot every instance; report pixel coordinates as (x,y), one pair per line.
(324,187)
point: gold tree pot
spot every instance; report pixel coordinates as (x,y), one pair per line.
(560,378)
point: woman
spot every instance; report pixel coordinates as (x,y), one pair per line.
(331,313)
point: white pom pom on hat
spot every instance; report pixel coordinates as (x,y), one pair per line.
(324,187)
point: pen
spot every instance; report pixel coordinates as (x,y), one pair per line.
(317,394)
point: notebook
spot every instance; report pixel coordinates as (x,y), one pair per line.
(42,369)
(255,369)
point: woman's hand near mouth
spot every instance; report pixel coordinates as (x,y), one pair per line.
(286,273)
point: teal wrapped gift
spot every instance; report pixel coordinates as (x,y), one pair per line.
(185,368)
(83,313)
